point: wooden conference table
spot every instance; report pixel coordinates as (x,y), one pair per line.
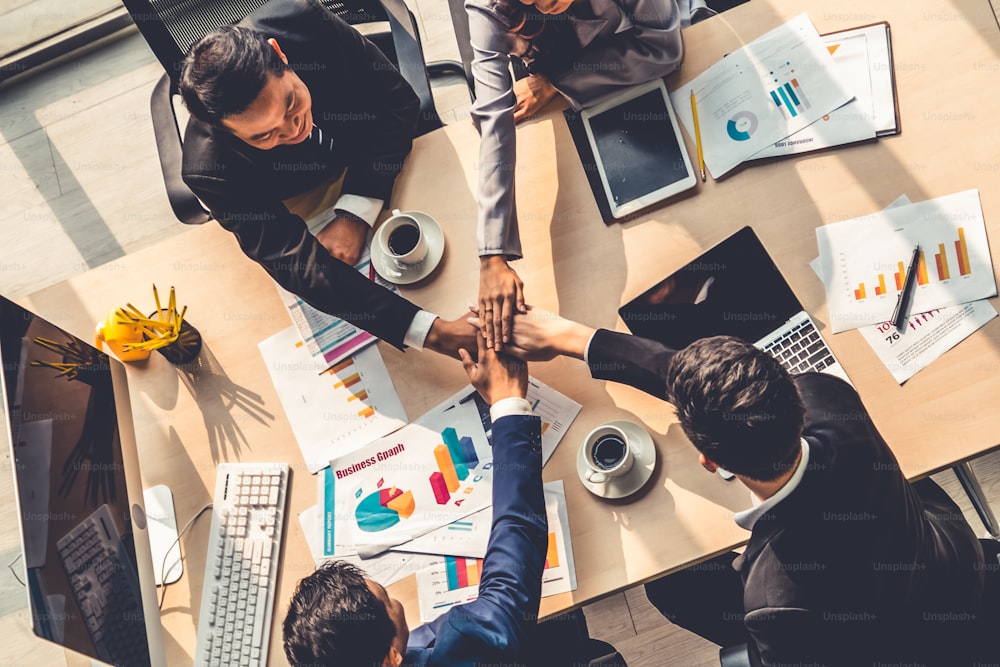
(947,56)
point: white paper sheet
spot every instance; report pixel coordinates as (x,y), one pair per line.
(332,411)
(424,476)
(861,259)
(926,336)
(772,87)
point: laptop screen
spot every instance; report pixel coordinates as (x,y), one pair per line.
(732,289)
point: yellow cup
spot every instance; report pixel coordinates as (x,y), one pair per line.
(115,336)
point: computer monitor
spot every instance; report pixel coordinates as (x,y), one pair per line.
(84,535)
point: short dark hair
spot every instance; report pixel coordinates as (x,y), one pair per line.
(224,72)
(334,618)
(737,406)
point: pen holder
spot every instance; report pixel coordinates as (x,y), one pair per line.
(187,346)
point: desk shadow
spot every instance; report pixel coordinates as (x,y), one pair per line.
(218,397)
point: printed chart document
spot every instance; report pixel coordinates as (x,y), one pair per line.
(760,94)
(864,260)
(926,336)
(328,338)
(422,477)
(336,410)
(854,121)
(452,581)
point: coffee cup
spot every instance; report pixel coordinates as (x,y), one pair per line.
(402,241)
(607,454)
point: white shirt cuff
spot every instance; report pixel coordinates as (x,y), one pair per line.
(365,208)
(586,350)
(514,405)
(419,327)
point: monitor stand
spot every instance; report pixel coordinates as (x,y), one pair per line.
(162,522)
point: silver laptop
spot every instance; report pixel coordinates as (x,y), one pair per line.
(733,289)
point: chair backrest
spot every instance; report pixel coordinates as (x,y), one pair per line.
(170,27)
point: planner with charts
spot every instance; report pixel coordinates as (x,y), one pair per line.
(336,410)
(772,87)
(864,260)
(454,580)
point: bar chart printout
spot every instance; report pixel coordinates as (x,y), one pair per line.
(332,411)
(455,580)
(864,260)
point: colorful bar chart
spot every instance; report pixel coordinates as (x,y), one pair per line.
(962,251)
(462,572)
(859,293)
(900,275)
(921,269)
(880,289)
(552,553)
(942,263)
(455,457)
(349,378)
(790,96)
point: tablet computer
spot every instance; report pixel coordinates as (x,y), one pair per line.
(638,149)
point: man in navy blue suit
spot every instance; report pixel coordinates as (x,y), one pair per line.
(337,616)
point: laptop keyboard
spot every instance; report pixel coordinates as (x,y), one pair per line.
(801,349)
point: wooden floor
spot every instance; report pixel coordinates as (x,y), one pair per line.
(81,187)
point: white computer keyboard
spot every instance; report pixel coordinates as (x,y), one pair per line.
(106,588)
(234,624)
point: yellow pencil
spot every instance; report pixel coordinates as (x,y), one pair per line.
(697,137)
(156,298)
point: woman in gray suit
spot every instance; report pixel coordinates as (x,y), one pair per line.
(586,50)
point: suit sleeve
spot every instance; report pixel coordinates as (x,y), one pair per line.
(652,48)
(493,114)
(632,360)
(492,627)
(282,244)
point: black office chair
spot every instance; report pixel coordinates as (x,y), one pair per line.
(565,641)
(170,27)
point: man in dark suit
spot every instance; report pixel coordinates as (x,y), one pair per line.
(290,99)
(847,563)
(338,617)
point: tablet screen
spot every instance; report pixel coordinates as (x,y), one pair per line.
(638,149)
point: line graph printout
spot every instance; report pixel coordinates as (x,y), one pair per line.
(754,97)
(864,259)
(422,477)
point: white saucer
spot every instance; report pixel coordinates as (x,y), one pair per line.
(386,267)
(644,451)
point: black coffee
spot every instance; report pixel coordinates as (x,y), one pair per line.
(609,450)
(403,239)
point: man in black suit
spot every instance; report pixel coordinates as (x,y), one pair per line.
(848,563)
(292,98)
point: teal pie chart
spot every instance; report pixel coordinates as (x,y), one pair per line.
(742,125)
(373,516)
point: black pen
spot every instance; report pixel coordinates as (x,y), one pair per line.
(903,300)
